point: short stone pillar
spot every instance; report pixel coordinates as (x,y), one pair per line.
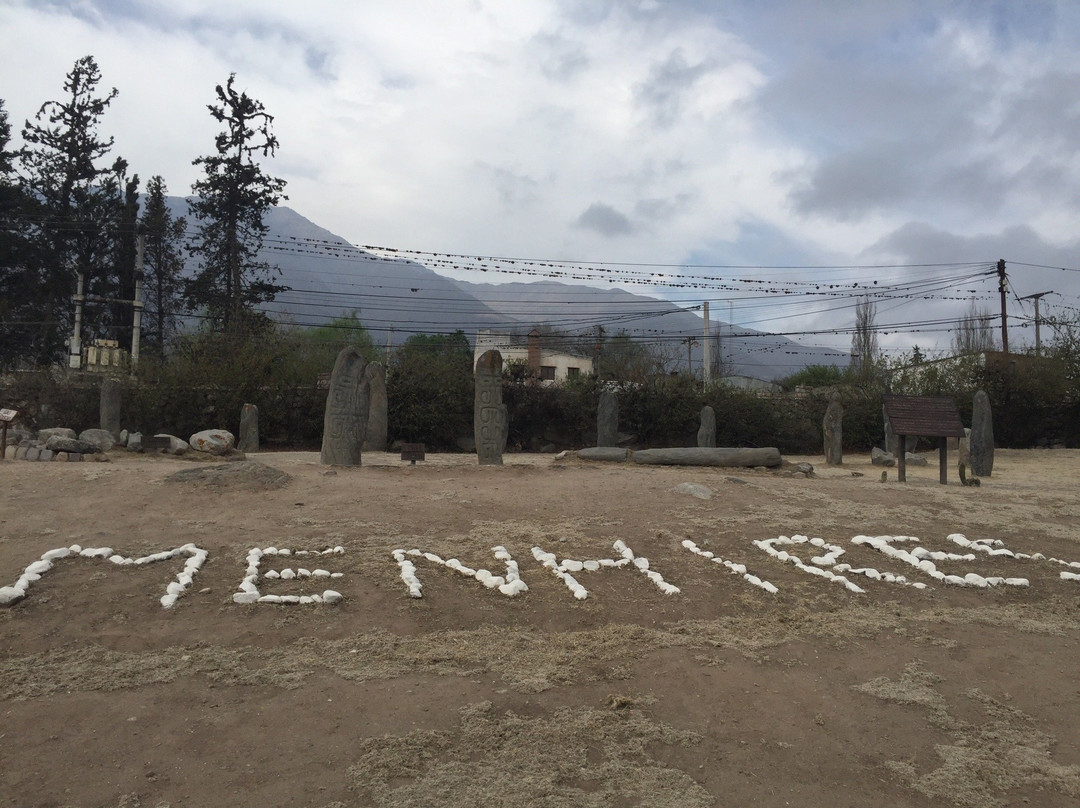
(491,421)
(607,419)
(981,447)
(706,434)
(346,413)
(375,437)
(832,428)
(249,429)
(109,410)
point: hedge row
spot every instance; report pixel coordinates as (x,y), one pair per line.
(437,409)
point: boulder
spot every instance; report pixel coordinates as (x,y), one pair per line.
(101,438)
(912,459)
(981,443)
(879,457)
(44,434)
(213,441)
(134,442)
(177,446)
(59,443)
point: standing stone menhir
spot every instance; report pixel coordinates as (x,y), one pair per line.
(981,442)
(375,437)
(249,429)
(607,419)
(346,414)
(832,427)
(490,418)
(706,434)
(109,410)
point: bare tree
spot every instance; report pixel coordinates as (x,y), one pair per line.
(864,341)
(974,332)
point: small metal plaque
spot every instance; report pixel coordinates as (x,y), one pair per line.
(155,442)
(924,416)
(412,451)
(8,415)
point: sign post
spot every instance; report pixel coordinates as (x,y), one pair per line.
(6,417)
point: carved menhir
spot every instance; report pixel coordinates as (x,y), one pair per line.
(892,440)
(110,407)
(490,418)
(832,426)
(706,434)
(346,410)
(375,437)
(982,435)
(249,429)
(607,419)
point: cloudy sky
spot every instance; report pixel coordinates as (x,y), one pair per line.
(759,132)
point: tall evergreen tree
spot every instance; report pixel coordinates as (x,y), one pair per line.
(233,198)
(163,263)
(18,258)
(78,198)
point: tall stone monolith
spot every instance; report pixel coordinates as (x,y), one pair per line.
(375,437)
(892,440)
(706,434)
(248,440)
(109,409)
(832,428)
(607,419)
(490,419)
(346,414)
(981,446)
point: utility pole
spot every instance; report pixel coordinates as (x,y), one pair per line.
(599,344)
(706,345)
(1003,286)
(137,304)
(1036,297)
(690,343)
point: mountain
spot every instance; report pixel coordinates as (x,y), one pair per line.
(396,298)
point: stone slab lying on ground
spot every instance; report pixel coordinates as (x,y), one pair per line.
(245,474)
(705,456)
(610,454)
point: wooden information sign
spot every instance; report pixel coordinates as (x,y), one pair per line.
(924,417)
(412,451)
(6,417)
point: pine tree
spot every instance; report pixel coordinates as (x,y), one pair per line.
(163,263)
(233,198)
(78,201)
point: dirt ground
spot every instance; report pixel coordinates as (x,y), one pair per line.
(721,694)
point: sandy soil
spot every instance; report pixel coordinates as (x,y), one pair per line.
(722,694)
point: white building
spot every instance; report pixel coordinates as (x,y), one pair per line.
(547,365)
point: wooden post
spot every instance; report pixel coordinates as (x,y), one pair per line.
(3,439)
(901,461)
(943,460)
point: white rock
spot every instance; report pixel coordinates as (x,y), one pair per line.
(320,573)
(245,597)
(330,596)
(270,599)
(271,574)
(291,600)
(287,574)
(249,587)
(303,573)
(305,599)
(169,600)
(1016,582)
(10,594)
(336,574)
(59,552)
(572,565)
(39,567)
(591,565)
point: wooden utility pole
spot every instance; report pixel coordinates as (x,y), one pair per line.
(690,343)
(1003,286)
(1036,297)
